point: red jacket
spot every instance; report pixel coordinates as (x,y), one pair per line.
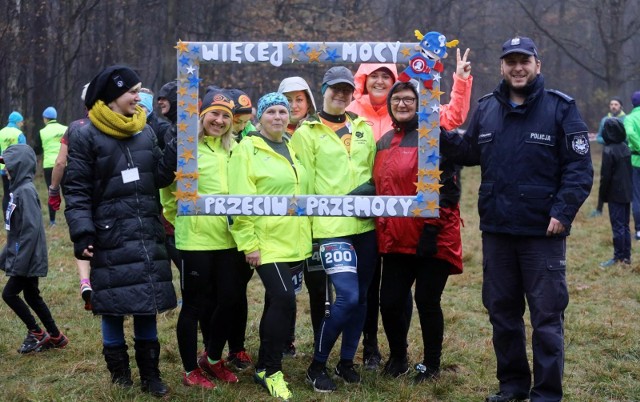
(395,172)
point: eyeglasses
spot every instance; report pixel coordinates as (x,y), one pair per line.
(407,101)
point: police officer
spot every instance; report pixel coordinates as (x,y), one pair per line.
(533,149)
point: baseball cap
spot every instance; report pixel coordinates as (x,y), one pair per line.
(337,75)
(519,44)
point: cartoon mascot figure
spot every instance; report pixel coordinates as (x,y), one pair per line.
(433,47)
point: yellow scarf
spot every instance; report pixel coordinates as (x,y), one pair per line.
(115,124)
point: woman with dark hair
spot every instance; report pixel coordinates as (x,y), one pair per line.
(112,180)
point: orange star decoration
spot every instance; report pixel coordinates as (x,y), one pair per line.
(190,139)
(187,154)
(405,51)
(192,109)
(435,124)
(435,93)
(434,187)
(432,206)
(422,173)
(291,45)
(182,91)
(182,127)
(424,132)
(194,96)
(191,196)
(433,142)
(291,211)
(420,186)
(416,211)
(424,102)
(433,173)
(423,91)
(182,47)
(180,195)
(181,103)
(314,55)
(188,185)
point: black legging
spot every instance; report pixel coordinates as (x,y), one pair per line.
(279,304)
(204,271)
(47,179)
(430,276)
(28,285)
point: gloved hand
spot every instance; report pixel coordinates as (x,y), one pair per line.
(54,198)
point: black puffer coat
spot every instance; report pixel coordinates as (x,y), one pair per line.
(130,269)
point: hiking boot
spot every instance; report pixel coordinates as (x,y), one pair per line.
(34,341)
(320,380)
(396,366)
(289,350)
(239,360)
(425,373)
(196,378)
(347,371)
(117,360)
(148,359)
(218,370)
(56,342)
(277,386)
(259,376)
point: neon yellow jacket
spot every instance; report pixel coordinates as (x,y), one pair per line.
(205,232)
(8,136)
(334,171)
(50,136)
(255,168)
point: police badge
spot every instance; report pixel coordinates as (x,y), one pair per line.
(580,144)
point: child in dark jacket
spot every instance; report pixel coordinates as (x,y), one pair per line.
(616,189)
(24,258)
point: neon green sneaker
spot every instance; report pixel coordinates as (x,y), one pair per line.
(277,386)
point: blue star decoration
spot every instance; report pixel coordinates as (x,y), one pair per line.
(183,116)
(300,211)
(181,162)
(195,49)
(184,60)
(185,208)
(419,198)
(194,82)
(332,55)
(423,115)
(303,47)
(433,158)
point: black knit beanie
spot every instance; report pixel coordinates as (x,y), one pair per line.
(110,84)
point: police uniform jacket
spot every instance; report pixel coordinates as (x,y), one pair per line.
(534,158)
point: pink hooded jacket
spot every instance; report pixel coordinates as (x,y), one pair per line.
(452,114)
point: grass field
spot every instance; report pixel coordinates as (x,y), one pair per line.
(602,332)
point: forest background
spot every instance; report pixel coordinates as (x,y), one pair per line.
(51,48)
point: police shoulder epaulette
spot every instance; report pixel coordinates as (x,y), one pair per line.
(561,95)
(485,97)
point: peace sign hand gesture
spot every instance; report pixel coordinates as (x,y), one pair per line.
(463,67)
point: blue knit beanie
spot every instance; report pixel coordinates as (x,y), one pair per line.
(271,99)
(146,100)
(50,113)
(15,118)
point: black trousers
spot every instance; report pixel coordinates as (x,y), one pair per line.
(47,179)
(430,276)
(29,287)
(208,275)
(279,305)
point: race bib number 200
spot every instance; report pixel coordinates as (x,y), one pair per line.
(338,257)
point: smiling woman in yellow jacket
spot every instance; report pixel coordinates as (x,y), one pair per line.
(213,272)
(263,163)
